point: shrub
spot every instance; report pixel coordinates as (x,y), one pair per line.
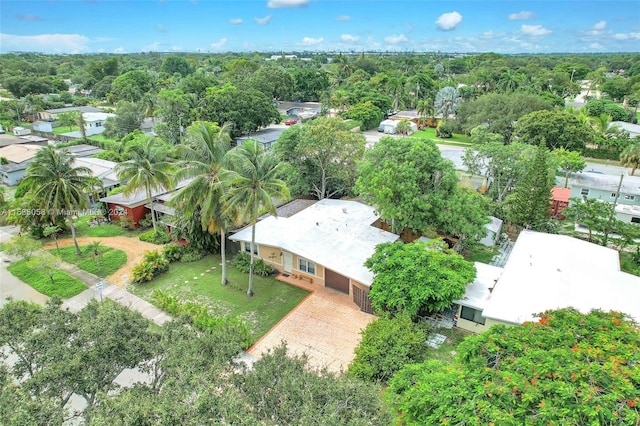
(191,255)
(152,265)
(160,237)
(445,129)
(173,252)
(387,345)
(201,317)
(147,222)
(242,262)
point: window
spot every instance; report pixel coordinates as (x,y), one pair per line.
(306,266)
(629,197)
(247,248)
(635,219)
(584,191)
(614,194)
(472,315)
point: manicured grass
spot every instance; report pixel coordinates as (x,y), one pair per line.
(104,230)
(65,129)
(350,124)
(430,133)
(191,282)
(627,264)
(64,285)
(109,262)
(101,138)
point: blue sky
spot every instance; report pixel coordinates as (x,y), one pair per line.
(112,26)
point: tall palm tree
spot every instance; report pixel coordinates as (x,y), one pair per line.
(148,168)
(252,186)
(630,157)
(202,158)
(60,188)
(601,123)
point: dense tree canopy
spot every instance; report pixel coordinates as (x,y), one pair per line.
(567,368)
(560,129)
(417,278)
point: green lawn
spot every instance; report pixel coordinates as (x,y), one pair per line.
(350,124)
(191,282)
(627,264)
(110,259)
(430,133)
(480,253)
(101,138)
(64,285)
(65,129)
(104,230)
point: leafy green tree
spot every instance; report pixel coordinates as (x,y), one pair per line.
(172,109)
(176,65)
(617,87)
(597,107)
(132,85)
(309,84)
(148,170)
(22,246)
(367,113)
(323,156)
(68,118)
(276,83)
(387,345)
(202,158)
(592,214)
(559,129)
(403,127)
(530,204)
(248,109)
(630,157)
(447,101)
(417,278)
(568,162)
(425,108)
(59,188)
(46,264)
(128,119)
(407,181)
(253,186)
(567,368)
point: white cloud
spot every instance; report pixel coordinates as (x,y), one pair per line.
(153,47)
(627,36)
(596,46)
(262,21)
(277,4)
(349,38)
(236,21)
(176,48)
(119,50)
(343,18)
(521,16)
(535,30)
(219,44)
(448,21)
(487,34)
(161,28)
(600,25)
(45,43)
(396,39)
(310,41)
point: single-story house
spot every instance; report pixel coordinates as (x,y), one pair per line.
(52,114)
(632,129)
(101,169)
(300,110)
(21,131)
(6,140)
(494,228)
(266,137)
(93,124)
(83,150)
(390,126)
(42,126)
(18,156)
(326,243)
(545,272)
(604,187)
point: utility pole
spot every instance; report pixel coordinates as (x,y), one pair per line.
(613,212)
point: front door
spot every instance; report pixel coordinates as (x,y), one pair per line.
(287,262)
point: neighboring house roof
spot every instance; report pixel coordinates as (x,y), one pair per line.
(90,117)
(478,291)
(265,136)
(6,140)
(83,150)
(630,184)
(139,197)
(560,194)
(101,169)
(91,131)
(286,106)
(546,271)
(18,153)
(14,167)
(632,129)
(336,234)
(79,108)
(495,225)
(410,115)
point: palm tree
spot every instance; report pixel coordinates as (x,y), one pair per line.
(252,186)
(59,187)
(630,157)
(601,123)
(203,157)
(425,108)
(148,168)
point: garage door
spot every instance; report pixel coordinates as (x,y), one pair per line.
(336,281)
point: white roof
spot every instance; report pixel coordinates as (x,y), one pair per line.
(96,116)
(478,291)
(495,225)
(630,184)
(547,271)
(102,169)
(336,234)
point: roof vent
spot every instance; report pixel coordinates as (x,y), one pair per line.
(344,210)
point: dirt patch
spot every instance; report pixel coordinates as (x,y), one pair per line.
(133,247)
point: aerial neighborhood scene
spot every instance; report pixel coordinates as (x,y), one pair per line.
(317,212)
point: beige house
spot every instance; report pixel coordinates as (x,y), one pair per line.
(326,243)
(546,272)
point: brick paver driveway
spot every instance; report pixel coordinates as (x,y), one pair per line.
(326,326)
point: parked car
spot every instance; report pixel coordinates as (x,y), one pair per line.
(290,121)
